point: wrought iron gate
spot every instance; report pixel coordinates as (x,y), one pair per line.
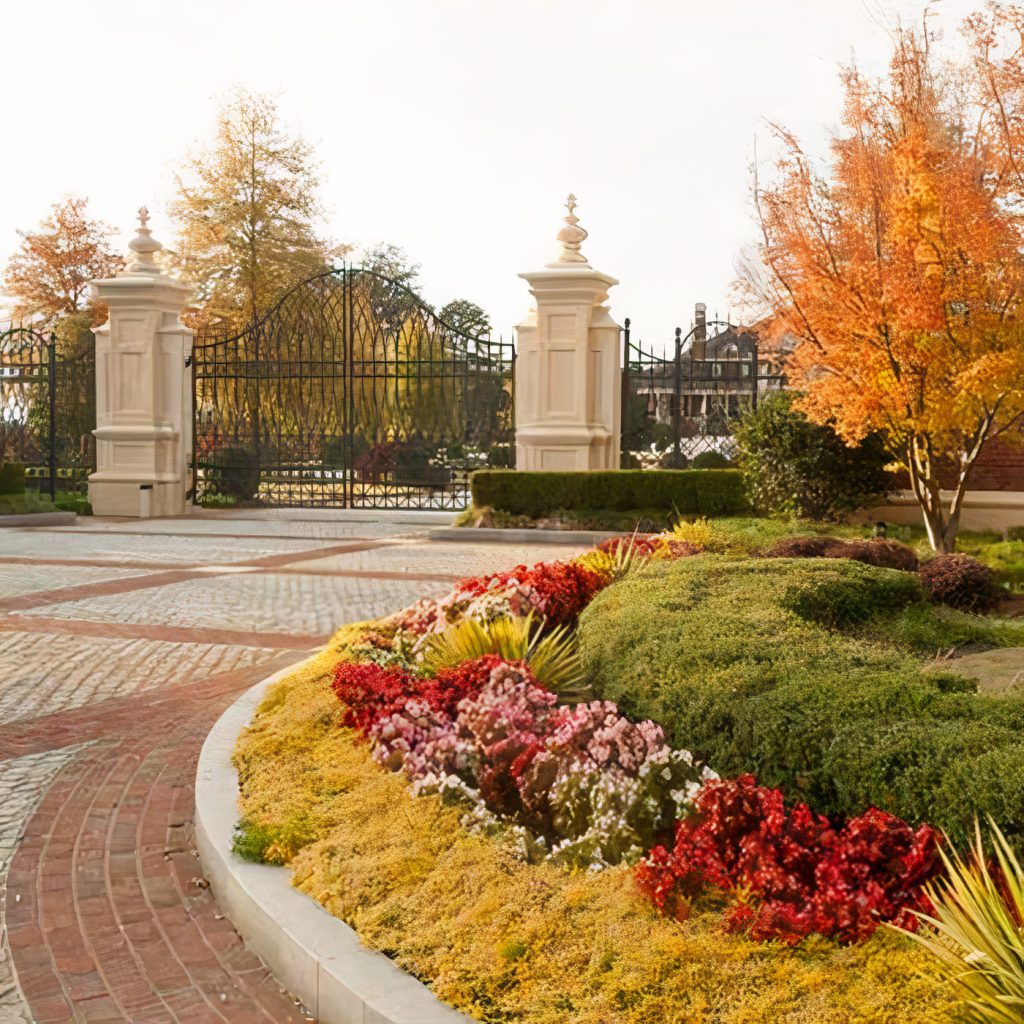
(350,393)
(681,405)
(47,410)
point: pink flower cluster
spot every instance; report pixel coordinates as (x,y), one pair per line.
(586,785)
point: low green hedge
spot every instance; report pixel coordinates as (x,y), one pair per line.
(803,672)
(707,492)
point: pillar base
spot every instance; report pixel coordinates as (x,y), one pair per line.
(136,499)
(546,447)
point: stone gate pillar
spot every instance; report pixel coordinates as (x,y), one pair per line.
(568,383)
(143,389)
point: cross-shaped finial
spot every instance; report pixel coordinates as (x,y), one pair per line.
(570,203)
(143,217)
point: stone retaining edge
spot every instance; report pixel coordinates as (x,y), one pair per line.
(40,519)
(490,535)
(315,956)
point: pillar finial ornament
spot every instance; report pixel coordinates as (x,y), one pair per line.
(572,235)
(143,245)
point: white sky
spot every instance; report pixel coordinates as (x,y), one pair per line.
(453,128)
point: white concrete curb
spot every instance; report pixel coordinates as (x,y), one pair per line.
(313,955)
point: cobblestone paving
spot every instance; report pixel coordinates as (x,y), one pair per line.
(29,579)
(112,671)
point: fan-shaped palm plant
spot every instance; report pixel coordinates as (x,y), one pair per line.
(552,657)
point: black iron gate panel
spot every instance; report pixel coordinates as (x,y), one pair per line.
(683,404)
(47,411)
(350,392)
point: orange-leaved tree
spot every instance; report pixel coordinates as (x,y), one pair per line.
(48,277)
(899,263)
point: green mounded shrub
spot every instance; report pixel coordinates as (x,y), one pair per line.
(800,671)
(797,468)
(536,494)
(12,478)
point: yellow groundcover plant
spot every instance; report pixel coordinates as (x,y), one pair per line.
(507,941)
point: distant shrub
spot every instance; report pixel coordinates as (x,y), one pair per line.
(233,472)
(795,467)
(959,581)
(12,478)
(888,554)
(710,460)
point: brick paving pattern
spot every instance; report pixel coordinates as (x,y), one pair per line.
(121,642)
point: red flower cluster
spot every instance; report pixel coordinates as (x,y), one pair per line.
(562,589)
(370,692)
(805,875)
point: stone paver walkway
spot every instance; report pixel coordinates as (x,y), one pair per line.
(121,642)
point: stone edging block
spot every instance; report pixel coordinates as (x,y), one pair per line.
(315,956)
(490,535)
(40,519)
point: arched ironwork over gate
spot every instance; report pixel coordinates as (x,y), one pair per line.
(47,410)
(350,392)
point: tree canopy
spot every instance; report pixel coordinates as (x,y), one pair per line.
(48,277)
(247,209)
(899,266)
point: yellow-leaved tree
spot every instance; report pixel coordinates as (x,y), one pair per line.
(247,210)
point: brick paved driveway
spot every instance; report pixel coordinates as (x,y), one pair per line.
(120,644)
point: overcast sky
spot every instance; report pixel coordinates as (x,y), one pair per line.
(453,128)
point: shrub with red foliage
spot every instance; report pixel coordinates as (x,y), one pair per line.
(804,875)
(370,692)
(888,554)
(959,581)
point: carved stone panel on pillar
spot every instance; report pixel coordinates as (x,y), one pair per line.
(143,389)
(568,392)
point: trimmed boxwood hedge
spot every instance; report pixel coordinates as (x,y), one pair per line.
(707,492)
(797,670)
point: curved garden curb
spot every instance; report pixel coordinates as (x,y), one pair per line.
(314,955)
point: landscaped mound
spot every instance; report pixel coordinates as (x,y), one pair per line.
(431,782)
(802,671)
(505,940)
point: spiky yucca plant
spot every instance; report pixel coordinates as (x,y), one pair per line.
(552,657)
(977,930)
(616,565)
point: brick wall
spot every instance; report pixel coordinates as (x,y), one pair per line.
(1000,467)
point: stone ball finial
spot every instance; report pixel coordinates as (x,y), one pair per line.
(143,246)
(572,235)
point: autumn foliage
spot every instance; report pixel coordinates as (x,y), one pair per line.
(899,264)
(49,275)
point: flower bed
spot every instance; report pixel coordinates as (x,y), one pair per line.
(444,805)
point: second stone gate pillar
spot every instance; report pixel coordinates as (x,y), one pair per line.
(568,377)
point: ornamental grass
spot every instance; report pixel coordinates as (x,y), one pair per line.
(508,941)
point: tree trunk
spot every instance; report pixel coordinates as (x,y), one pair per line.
(941,523)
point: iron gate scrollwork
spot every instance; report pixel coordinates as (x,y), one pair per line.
(683,404)
(47,410)
(350,392)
